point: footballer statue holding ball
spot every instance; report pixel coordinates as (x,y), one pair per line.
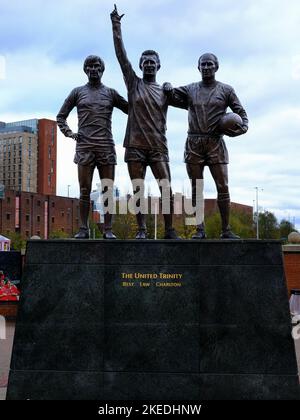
(207,102)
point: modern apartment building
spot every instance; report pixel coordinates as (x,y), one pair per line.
(28,152)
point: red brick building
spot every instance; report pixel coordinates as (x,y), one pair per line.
(211,207)
(47,152)
(292,266)
(37,214)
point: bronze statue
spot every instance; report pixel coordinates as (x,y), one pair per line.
(207,102)
(94,142)
(145,140)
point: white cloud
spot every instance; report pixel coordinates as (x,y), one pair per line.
(2,67)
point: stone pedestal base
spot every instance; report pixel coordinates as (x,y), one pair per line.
(153,320)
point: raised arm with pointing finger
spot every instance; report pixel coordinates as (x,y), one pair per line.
(125,64)
(145,139)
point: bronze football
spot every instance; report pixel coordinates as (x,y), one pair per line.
(230,121)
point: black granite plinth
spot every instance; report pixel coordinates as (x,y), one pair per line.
(153,320)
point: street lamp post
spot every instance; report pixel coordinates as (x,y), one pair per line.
(257,217)
(155,221)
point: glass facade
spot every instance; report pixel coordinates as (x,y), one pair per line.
(33,124)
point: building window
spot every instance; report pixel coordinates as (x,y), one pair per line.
(62,214)
(27,217)
(7,216)
(8,200)
(52,136)
(27,233)
(38,203)
(27,201)
(49,180)
(53,204)
(53,219)
(38,233)
(49,152)
(38,219)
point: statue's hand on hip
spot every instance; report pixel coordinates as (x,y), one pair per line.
(75,136)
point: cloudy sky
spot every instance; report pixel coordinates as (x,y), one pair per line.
(43,45)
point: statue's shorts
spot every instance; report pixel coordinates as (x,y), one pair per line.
(133,154)
(205,150)
(104,157)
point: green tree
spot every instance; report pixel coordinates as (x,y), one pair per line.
(94,228)
(285,228)
(240,222)
(150,221)
(184,231)
(58,234)
(17,242)
(268,226)
(124,226)
(213,226)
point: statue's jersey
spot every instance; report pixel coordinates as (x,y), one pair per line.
(94,108)
(206,106)
(147,113)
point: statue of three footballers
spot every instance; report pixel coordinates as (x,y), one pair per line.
(145,139)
